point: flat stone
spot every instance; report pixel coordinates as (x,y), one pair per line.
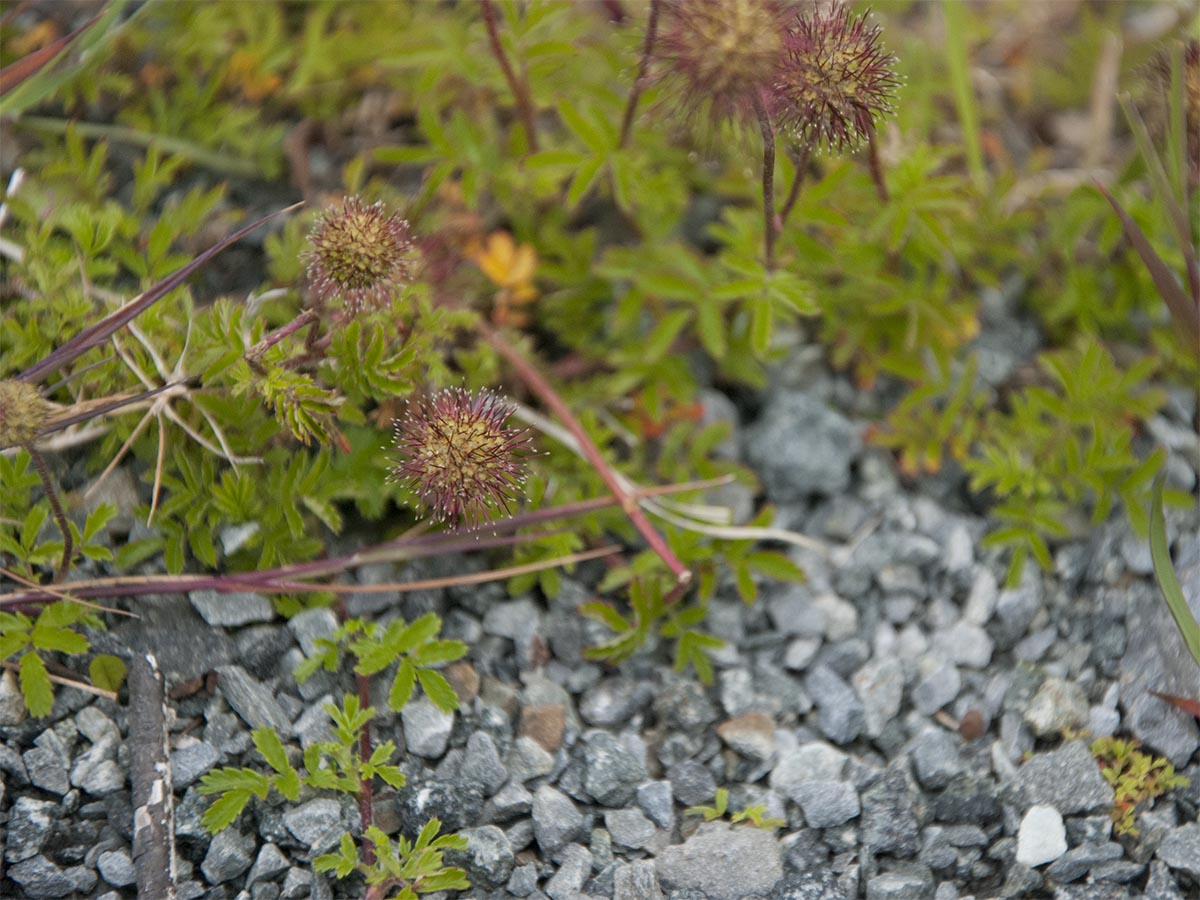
(30,824)
(692,783)
(233,609)
(253,701)
(1078,861)
(794,610)
(314,823)
(1042,837)
(966,644)
(890,823)
(523,881)
(799,446)
(629,828)
(725,863)
(1180,850)
(751,735)
(1067,779)
(827,804)
(191,762)
(312,625)
(609,703)
(481,763)
(40,878)
(427,728)
(901,885)
(511,801)
(814,761)
(116,867)
(937,689)
(528,760)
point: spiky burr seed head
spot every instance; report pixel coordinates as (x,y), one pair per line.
(458,456)
(23,412)
(722,53)
(359,255)
(835,79)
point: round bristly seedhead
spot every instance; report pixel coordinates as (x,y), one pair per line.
(458,456)
(1158,108)
(836,79)
(720,53)
(359,255)
(23,412)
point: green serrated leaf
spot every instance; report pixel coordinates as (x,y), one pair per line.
(438,689)
(267,742)
(403,686)
(107,672)
(35,685)
(224,810)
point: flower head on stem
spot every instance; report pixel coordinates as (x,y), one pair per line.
(359,255)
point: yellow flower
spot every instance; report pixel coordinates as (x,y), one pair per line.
(508,266)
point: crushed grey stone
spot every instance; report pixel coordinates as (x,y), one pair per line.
(657,800)
(269,863)
(613,772)
(556,820)
(523,881)
(231,610)
(1180,849)
(253,701)
(229,855)
(841,715)
(426,728)
(574,867)
(192,761)
(827,803)
(1067,779)
(315,824)
(691,783)
(488,859)
(937,689)
(629,828)
(1058,705)
(725,863)
(116,867)
(40,878)
(636,880)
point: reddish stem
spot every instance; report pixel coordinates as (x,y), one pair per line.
(876,167)
(770,225)
(60,518)
(306,318)
(366,792)
(628,502)
(801,162)
(518,86)
(635,92)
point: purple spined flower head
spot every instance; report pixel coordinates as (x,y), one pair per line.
(22,413)
(359,255)
(835,81)
(719,54)
(458,455)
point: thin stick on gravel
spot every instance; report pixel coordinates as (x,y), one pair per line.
(153,793)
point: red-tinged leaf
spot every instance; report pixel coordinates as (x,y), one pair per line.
(1191,707)
(100,332)
(32,63)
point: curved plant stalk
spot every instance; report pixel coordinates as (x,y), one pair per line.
(1164,574)
(627,501)
(400,550)
(519,86)
(635,92)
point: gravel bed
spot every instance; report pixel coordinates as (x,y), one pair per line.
(903,712)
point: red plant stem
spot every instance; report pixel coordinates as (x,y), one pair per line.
(307,317)
(60,518)
(770,225)
(801,163)
(629,504)
(876,167)
(635,92)
(519,87)
(616,12)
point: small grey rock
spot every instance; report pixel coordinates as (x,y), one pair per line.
(1180,849)
(901,885)
(966,644)
(1067,779)
(800,447)
(47,769)
(488,859)
(1058,705)
(657,800)
(253,701)
(528,760)
(840,713)
(556,820)
(827,803)
(523,881)
(725,863)
(315,823)
(890,822)
(613,772)
(270,863)
(481,763)
(229,855)
(610,702)
(684,706)
(937,689)
(189,763)
(1078,861)
(116,867)
(311,625)
(629,828)
(691,783)
(573,869)
(880,687)
(40,878)
(30,824)
(511,801)
(231,610)
(426,728)
(636,881)
(936,757)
